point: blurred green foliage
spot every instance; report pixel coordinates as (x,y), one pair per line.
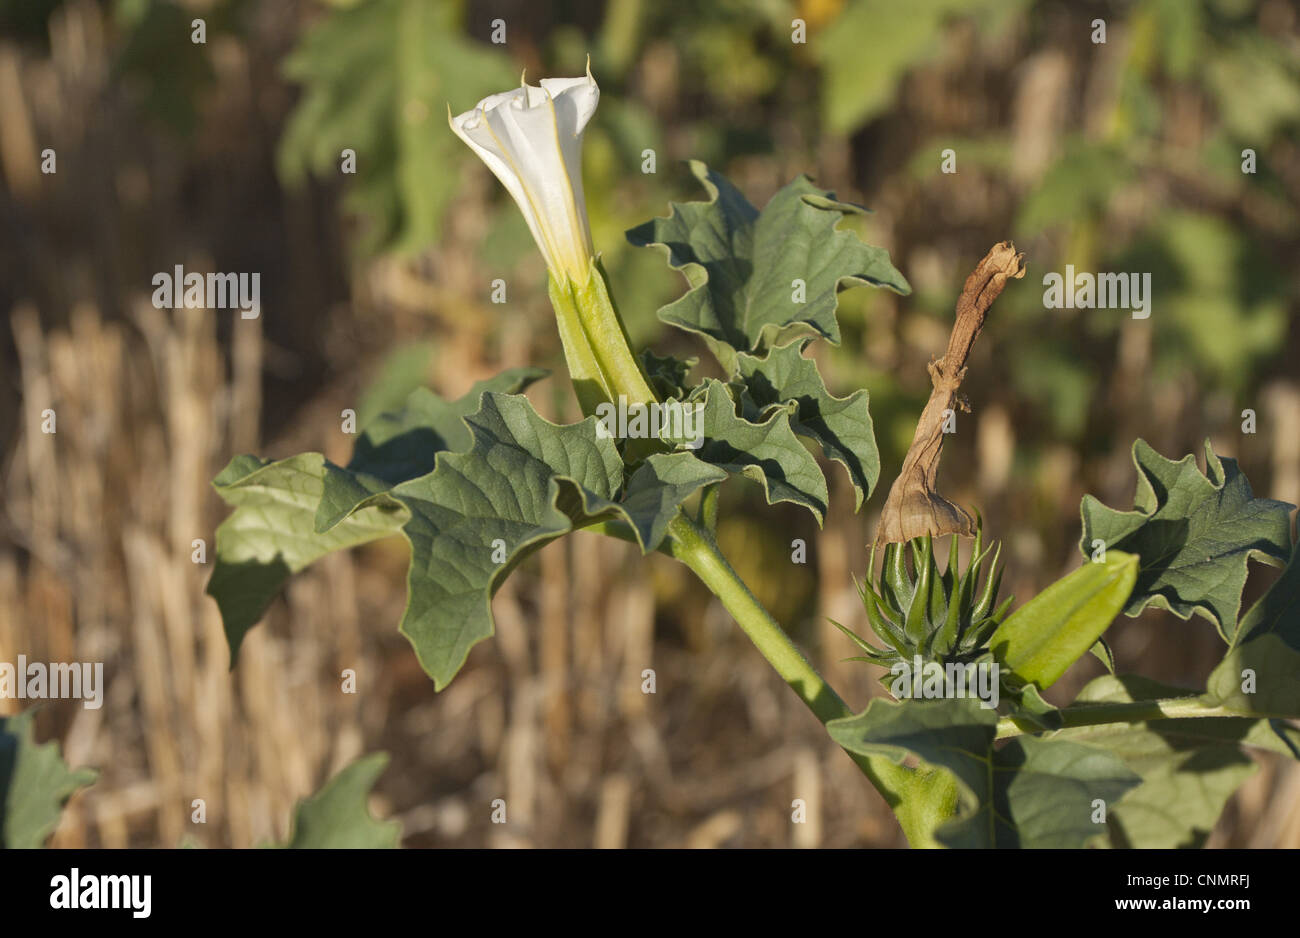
(857,84)
(169,75)
(377,79)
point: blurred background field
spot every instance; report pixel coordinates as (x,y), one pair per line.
(225,156)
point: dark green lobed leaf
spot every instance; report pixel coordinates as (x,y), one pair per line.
(399,446)
(768,452)
(1189,767)
(1028,793)
(1261,672)
(520,482)
(741,265)
(272,534)
(842,426)
(524,482)
(336,817)
(1194,534)
(35,783)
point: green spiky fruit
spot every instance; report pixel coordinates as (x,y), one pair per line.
(917,610)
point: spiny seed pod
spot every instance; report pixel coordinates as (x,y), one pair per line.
(939,616)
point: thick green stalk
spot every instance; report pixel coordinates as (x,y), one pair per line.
(695,548)
(584,370)
(596,345)
(1137,711)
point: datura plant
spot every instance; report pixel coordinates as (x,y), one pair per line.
(477,484)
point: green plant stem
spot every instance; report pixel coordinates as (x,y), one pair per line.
(1138,711)
(600,358)
(697,550)
(584,370)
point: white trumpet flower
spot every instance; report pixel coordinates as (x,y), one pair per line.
(531,139)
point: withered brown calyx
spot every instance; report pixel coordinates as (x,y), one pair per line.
(914,508)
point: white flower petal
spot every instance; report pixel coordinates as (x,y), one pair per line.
(473,129)
(575,100)
(531,139)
